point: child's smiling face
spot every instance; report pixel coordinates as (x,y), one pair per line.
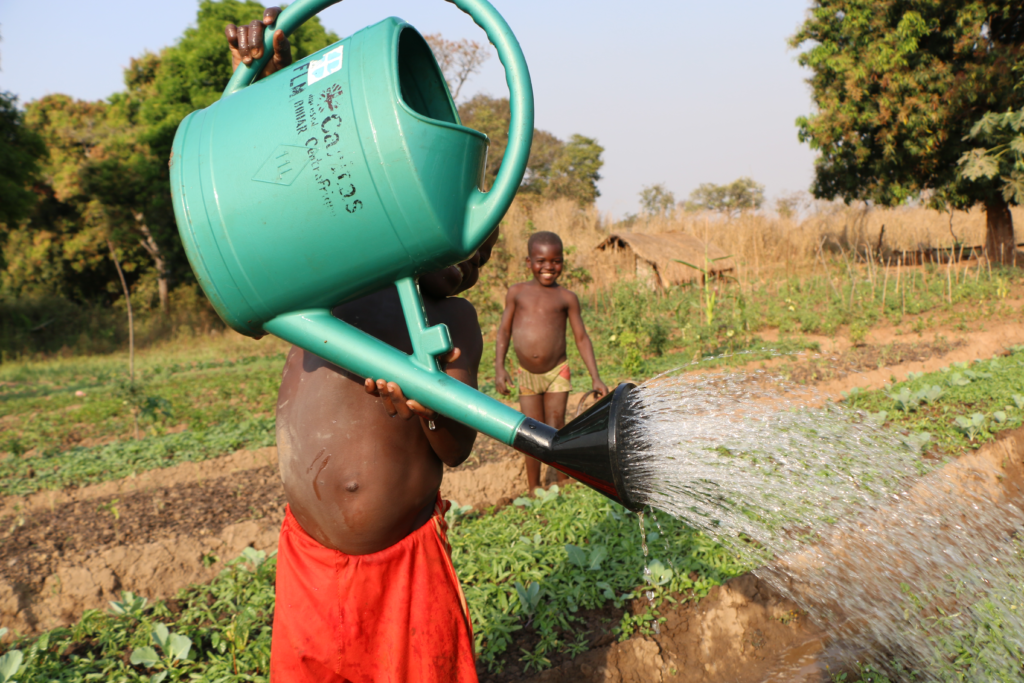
(545,262)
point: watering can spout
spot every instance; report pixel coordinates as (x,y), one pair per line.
(589,449)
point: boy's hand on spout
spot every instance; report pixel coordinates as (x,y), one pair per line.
(246,43)
(501,381)
(600,389)
(395,402)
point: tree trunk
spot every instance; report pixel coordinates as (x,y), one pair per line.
(159,262)
(1000,245)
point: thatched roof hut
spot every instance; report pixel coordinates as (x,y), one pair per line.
(652,259)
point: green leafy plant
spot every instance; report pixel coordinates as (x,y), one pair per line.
(710,293)
(130,605)
(529,597)
(174,646)
(659,573)
(973,426)
(10,662)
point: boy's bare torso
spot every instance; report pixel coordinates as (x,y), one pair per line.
(356,479)
(538,327)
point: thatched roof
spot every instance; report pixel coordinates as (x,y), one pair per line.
(664,250)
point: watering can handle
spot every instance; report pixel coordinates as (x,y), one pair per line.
(484,209)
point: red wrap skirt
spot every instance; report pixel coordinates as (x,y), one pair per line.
(392,616)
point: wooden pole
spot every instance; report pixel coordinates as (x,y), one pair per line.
(885,287)
(131,329)
(903,291)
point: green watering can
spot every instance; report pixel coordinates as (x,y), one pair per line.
(363,177)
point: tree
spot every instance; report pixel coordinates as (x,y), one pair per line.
(1002,154)
(106,175)
(20,151)
(554,169)
(898,85)
(742,194)
(458,59)
(576,170)
(655,200)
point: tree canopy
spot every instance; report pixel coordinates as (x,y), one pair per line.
(103,177)
(656,200)
(742,194)
(898,86)
(555,168)
(20,150)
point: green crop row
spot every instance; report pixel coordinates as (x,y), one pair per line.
(57,469)
(538,562)
(636,333)
(960,406)
(200,397)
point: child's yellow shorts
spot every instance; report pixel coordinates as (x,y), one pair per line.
(555,380)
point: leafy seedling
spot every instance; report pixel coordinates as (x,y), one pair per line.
(529,597)
(253,557)
(659,573)
(130,605)
(972,427)
(905,400)
(174,645)
(9,665)
(958,380)
(929,394)
(590,561)
(915,441)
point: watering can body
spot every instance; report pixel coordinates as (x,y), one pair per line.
(343,174)
(302,192)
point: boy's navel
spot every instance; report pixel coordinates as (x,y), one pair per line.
(352,486)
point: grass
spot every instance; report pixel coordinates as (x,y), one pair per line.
(539,563)
(71,409)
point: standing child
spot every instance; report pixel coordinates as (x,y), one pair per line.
(534,319)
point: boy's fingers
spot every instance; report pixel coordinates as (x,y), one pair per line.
(270,15)
(282,49)
(243,44)
(371,387)
(385,395)
(256,39)
(420,410)
(399,401)
(231,31)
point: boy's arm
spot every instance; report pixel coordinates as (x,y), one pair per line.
(501,340)
(451,441)
(583,343)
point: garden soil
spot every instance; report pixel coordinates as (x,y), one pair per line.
(62,552)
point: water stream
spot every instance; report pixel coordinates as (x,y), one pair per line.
(899,557)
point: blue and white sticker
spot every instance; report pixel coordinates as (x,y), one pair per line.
(320,69)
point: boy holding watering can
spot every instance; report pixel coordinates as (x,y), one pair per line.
(365,585)
(534,319)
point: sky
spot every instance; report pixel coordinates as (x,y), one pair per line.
(678,92)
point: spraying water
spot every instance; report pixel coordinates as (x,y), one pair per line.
(900,558)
